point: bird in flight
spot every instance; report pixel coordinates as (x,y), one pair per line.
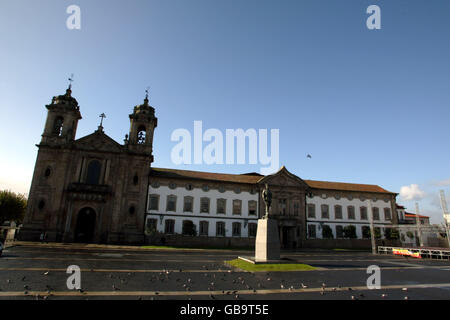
(309,156)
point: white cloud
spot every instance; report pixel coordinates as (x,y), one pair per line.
(411,192)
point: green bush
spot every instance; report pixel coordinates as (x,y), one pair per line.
(327,233)
(350,232)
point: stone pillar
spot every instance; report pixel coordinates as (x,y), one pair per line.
(267,245)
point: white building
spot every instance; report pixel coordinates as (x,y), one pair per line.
(223,209)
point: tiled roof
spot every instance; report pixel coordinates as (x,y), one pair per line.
(225,177)
(341,186)
(252,178)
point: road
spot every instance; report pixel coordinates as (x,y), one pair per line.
(39,272)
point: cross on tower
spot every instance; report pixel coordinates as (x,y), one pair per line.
(102,116)
(71,80)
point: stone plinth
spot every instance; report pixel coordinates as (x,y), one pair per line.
(267,246)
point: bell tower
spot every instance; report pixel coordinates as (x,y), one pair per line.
(142,126)
(62,119)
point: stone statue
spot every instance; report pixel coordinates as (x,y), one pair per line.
(267,197)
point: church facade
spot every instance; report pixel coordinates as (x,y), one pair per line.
(94,189)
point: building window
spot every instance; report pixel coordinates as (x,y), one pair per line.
(150,226)
(376,214)
(93,172)
(312,231)
(220,229)
(188,204)
(325,211)
(47,172)
(221,206)
(171,203)
(141,135)
(41,205)
(237,190)
(172,185)
(252,208)
(387,214)
(204,205)
(296,208)
(203,230)
(221,189)
(189,187)
(136,179)
(237,205)
(365,230)
(338,212)
(236,229)
(58,125)
(131,210)
(252,227)
(351,212)
(205,188)
(153,202)
(169,226)
(311,210)
(189,228)
(363,212)
(339,232)
(282,205)
(155,185)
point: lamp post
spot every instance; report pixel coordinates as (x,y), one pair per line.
(372,233)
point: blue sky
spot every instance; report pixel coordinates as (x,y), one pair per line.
(370,106)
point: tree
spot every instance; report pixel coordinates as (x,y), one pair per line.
(350,232)
(189,228)
(12,206)
(391,234)
(327,233)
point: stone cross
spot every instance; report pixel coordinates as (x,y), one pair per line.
(102,116)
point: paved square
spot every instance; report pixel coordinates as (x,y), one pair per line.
(31,271)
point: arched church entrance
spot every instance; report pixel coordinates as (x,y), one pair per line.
(85,227)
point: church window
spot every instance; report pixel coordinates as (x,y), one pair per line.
(154,202)
(47,172)
(135,180)
(141,135)
(41,205)
(283,206)
(93,172)
(58,125)
(296,208)
(132,210)
(204,205)
(171,203)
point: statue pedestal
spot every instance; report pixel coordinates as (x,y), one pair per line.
(267,245)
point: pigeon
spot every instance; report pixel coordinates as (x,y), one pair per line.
(46,273)
(309,156)
(406,298)
(404,289)
(304,286)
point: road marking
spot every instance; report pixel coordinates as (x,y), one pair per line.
(106,259)
(116,270)
(215,293)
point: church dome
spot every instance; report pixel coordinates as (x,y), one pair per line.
(66,99)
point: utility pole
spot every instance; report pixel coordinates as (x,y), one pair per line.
(419,233)
(372,233)
(446,215)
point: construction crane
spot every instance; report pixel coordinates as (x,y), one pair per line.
(446,215)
